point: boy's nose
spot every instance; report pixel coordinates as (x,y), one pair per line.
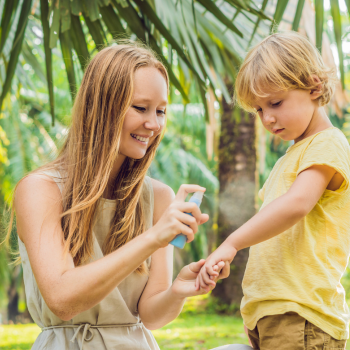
(268,118)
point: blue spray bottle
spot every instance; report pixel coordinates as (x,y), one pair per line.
(180,240)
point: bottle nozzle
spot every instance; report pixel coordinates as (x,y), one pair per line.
(198,197)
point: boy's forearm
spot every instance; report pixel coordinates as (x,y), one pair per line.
(275,218)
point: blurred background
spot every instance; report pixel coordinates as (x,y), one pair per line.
(44,48)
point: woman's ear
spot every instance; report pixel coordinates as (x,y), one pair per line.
(316,92)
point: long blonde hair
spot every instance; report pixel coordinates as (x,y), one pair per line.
(92,146)
(282,61)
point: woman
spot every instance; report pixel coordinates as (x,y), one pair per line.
(94,229)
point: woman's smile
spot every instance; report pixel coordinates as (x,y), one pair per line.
(143,140)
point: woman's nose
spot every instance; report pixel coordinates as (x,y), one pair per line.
(152,122)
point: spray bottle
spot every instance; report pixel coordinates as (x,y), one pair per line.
(180,240)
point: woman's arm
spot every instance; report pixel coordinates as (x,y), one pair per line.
(162,301)
(70,290)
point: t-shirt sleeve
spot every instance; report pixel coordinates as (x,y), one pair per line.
(331,150)
(261,193)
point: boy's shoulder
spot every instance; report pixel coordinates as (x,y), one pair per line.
(331,135)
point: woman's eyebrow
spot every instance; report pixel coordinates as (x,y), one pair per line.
(145,99)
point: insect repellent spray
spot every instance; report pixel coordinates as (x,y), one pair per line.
(180,240)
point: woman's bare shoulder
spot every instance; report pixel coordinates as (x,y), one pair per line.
(163,196)
(35,184)
(36,196)
(162,190)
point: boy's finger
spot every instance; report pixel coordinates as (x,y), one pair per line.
(206,278)
(221,264)
(209,268)
(204,286)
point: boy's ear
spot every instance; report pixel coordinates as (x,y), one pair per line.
(317,91)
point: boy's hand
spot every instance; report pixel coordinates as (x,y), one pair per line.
(184,284)
(225,253)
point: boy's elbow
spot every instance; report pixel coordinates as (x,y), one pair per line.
(300,206)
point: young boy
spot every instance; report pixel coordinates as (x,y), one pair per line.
(300,239)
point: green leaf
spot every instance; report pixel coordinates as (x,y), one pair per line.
(79,42)
(92,10)
(66,49)
(95,29)
(319,11)
(203,91)
(147,10)
(263,6)
(33,61)
(77,7)
(8,14)
(65,14)
(44,8)
(111,20)
(55,26)
(131,17)
(297,16)
(277,18)
(16,48)
(347,2)
(104,3)
(338,35)
(211,7)
(172,76)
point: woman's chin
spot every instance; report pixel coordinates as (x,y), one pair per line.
(135,155)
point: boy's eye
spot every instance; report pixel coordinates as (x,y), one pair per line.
(259,110)
(276,104)
(141,109)
(161,112)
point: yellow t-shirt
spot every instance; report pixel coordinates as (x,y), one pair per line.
(300,269)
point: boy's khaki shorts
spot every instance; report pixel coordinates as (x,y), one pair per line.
(291,332)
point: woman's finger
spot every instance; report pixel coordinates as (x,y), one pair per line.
(188,220)
(189,208)
(195,267)
(204,219)
(185,190)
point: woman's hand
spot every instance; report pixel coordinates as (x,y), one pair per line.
(184,284)
(175,220)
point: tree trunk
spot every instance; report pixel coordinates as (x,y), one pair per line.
(237,166)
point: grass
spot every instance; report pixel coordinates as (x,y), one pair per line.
(195,332)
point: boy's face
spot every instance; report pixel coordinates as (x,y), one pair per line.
(287,114)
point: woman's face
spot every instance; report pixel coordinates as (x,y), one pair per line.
(145,119)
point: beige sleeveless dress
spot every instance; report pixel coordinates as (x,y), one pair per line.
(114,323)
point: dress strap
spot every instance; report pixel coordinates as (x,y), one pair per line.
(86,328)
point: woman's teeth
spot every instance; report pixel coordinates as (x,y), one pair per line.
(143,139)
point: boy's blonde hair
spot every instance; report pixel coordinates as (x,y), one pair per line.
(282,61)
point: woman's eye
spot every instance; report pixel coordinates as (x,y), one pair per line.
(161,112)
(259,110)
(141,109)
